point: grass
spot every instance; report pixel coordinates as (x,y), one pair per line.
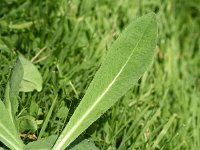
(160,112)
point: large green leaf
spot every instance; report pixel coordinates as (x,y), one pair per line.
(8,133)
(32,79)
(128,58)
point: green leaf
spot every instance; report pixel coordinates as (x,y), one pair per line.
(128,58)
(42,144)
(62,111)
(34,108)
(27,123)
(85,145)
(8,133)
(32,79)
(12,90)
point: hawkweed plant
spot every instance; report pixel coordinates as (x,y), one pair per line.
(126,61)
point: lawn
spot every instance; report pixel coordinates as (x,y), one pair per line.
(67,41)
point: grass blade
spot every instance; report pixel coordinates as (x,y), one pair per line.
(46,121)
(164,131)
(127,59)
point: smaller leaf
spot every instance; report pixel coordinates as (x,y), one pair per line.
(27,123)
(12,90)
(8,132)
(62,111)
(32,79)
(85,145)
(34,108)
(42,144)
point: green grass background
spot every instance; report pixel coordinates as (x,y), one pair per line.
(160,112)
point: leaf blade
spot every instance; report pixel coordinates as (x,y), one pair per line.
(32,78)
(8,133)
(127,59)
(84,145)
(12,90)
(42,144)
